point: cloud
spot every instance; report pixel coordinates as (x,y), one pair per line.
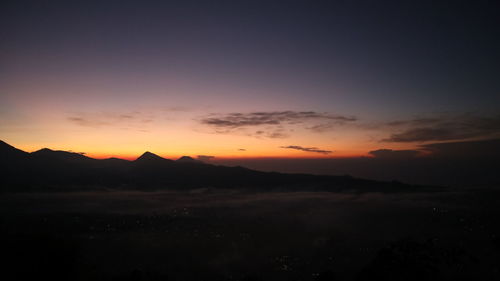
(236,120)
(483,149)
(128,120)
(177,109)
(278,133)
(415,122)
(307,149)
(205,157)
(323,127)
(242,149)
(426,134)
(446,128)
(85,122)
(394,154)
(274,124)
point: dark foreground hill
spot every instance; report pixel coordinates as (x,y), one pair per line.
(47,169)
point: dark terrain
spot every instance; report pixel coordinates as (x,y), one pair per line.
(64,216)
(49,170)
(227,235)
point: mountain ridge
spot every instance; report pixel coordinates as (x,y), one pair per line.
(64,170)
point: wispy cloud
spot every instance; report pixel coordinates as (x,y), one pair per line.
(394,154)
(86,122)
(177,109)
(307,149)
(236,120)
(273,133)
(128,120)
(274,124)
(205,157)
(416,122)
(445,128)
(483,149)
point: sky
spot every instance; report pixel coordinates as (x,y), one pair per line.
(248,79)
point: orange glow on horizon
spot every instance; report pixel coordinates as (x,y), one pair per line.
(248,157)
(126,136)
(278,153)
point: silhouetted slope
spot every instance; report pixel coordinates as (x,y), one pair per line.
(48,154)
(187,159)
(13,164)
(9,152)
(148,157)
(45,169)
(115,161)
(62,168)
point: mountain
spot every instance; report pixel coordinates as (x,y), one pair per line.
(189,160)
(48,169)
(11,162)
(46,154)
(7,151)
(148,156)
(186,158)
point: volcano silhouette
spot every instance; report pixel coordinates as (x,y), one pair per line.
(148,156)
(64,170)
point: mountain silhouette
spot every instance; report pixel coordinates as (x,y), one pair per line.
(48,169)
(48,154)
(148,156)
(7,151)
(186,158)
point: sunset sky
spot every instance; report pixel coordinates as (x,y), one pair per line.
(242,79)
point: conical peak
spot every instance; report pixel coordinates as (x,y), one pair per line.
(149,156)
(186,158)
